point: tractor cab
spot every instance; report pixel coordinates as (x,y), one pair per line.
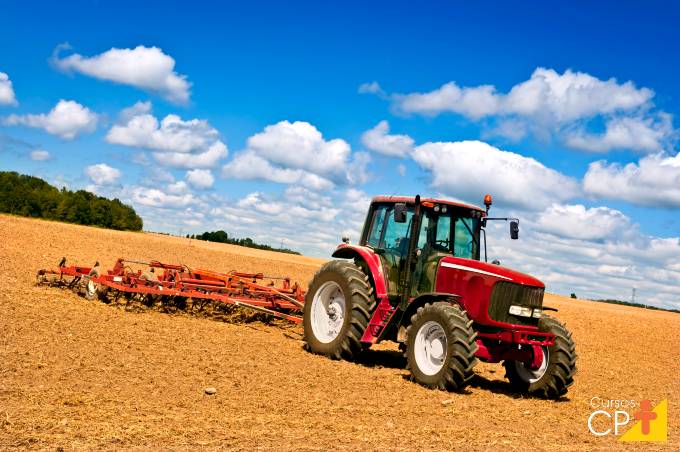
(412,235)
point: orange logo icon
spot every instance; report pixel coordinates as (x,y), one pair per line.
(652,424)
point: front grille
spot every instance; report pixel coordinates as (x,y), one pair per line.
(505,294)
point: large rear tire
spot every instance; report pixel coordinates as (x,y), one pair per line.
(441,347)
(553,378)
(337,310)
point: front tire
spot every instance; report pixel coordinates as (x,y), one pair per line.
(441,347)
(556,373)
(337,310)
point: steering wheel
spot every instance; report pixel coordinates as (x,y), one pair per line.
(443,243)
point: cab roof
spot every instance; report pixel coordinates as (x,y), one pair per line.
(412,200)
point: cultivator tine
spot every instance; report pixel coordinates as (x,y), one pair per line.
(267,311)
(291,299)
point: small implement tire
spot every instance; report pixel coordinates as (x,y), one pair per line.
(92,288)
(149,300)
(441,347)
(337,310)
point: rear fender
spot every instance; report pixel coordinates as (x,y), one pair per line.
(373,265)
(422,300)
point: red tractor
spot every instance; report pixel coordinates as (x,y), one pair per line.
(416,278)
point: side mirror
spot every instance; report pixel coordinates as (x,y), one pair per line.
(514,230)
(400,213)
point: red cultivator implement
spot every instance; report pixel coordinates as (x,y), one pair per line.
(180,285)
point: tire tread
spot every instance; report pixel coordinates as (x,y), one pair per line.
(361,302)
(460,368)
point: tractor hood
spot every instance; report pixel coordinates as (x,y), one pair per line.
(489,270)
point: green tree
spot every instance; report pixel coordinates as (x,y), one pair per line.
(33,197)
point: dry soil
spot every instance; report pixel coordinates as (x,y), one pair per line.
(81,374)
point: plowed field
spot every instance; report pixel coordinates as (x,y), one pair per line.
(81,374)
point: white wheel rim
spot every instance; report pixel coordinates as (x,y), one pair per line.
(91,287)
(430,348)
(328,312)
(532,376)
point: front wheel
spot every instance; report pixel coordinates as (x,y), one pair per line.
(552,378)
(441,347)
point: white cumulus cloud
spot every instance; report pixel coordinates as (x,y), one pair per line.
(469,169)
(566,105)
(7,96)
(642,134)
(378,139)
(208,158)
(249,165)
(40,155)
(199,178)
(296,152)
(178,188)
(299,218)
(371,88)
(579,222)
(562,97)
(653,181)
(67,120)
(139,128)
(102,174)
(475,102)
(147,68)
(572,95)
(300,145)
(192,143)
(154,197)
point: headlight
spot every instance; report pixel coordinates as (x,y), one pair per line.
(522,311)
(538,312)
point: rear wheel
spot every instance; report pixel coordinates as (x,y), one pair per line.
(337,310)
(555,374)
(441,346)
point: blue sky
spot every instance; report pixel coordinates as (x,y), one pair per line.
(280,121)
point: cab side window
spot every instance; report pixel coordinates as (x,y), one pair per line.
(377,226)
(443,233)
(396,234)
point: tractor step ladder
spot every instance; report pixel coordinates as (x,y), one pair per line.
(380,319)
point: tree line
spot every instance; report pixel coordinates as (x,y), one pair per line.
(223,237)
(30,196)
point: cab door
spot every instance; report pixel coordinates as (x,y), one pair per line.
(390,239)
